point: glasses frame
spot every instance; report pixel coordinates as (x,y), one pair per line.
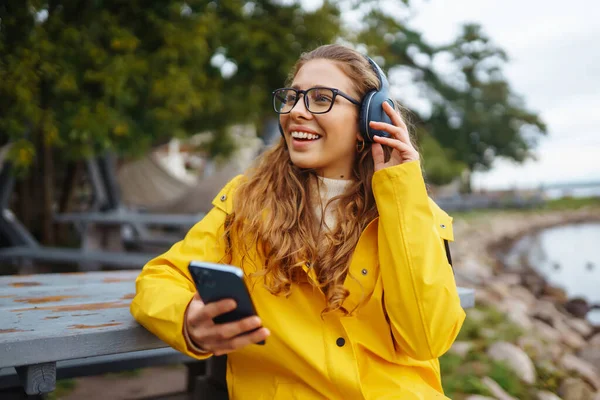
(335,92)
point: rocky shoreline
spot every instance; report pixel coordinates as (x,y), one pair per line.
(551,351)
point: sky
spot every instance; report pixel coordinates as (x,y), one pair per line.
(554,50)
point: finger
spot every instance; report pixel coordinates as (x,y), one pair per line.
(197,297)
(394,143)
(241,341)
(212,310)
(221,332)
(394,115)
(378,156)
(400,133)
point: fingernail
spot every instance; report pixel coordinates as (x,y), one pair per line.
(267,332)
(256,321)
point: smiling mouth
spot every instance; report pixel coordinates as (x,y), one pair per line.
(304,136)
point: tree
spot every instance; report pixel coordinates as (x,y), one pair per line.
(475,115)
(478,114)
(82,78)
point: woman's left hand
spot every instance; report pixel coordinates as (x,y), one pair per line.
(402,149)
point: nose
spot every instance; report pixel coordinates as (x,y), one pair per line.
(299,110)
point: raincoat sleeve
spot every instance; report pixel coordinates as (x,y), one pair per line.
(165,288)
(420,295)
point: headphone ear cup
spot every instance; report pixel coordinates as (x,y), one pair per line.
(376,113)
(364,116)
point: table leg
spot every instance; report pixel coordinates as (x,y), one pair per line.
(38,378)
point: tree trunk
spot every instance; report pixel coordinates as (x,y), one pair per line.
(465,182)
(47,194)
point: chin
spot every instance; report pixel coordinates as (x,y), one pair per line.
(304,162)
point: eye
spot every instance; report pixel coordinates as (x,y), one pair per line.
(321,96)
(290,98)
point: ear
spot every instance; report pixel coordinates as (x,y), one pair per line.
(359,137)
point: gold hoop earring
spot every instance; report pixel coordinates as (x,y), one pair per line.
(360,145)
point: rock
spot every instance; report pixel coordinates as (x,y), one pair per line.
(546,332)
(555,293)
(595,340)
(533,347)
(534,282)
(496,390)
(546,311)
(520,319)
(510,305)
(521,293)
(461,348)
(471,270)
(568,335)
(591,354)
(509,279)
(578,307)
(546,396)
(514,358)
(486,297)
(583,368)
(500,289)
(575,389)
(580,326)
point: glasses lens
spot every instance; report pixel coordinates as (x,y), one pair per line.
(284,100)
(319,100)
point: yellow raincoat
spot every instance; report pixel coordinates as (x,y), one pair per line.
(408,311)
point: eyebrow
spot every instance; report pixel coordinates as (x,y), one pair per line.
(296,86)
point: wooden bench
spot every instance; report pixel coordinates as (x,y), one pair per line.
(56,326)
(21,248)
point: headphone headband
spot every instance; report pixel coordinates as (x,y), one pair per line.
(380,74)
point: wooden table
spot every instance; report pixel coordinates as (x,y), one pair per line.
(50,318)
(76,320)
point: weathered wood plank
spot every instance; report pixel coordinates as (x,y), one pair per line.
(54,317)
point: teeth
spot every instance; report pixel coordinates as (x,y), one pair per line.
(304,135)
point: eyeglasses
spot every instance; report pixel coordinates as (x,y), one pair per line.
(318,100)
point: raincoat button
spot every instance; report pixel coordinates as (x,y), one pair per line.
(364,271)
(224,197)
(340,342)
(308,264)
(442,226)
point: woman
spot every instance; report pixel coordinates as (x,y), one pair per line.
(341,248)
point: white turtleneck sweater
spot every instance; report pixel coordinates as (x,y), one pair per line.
(328,189)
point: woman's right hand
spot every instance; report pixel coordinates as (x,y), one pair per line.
(220,339)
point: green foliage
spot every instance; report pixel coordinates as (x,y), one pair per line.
(571,203)
(87,77)
(123,76)
(439,162)
(478,114)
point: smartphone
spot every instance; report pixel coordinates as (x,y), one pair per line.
(216,282)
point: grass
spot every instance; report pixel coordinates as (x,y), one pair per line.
(63,388)
(566,203)
(569,203)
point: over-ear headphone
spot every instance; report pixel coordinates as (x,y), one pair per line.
(371,106)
